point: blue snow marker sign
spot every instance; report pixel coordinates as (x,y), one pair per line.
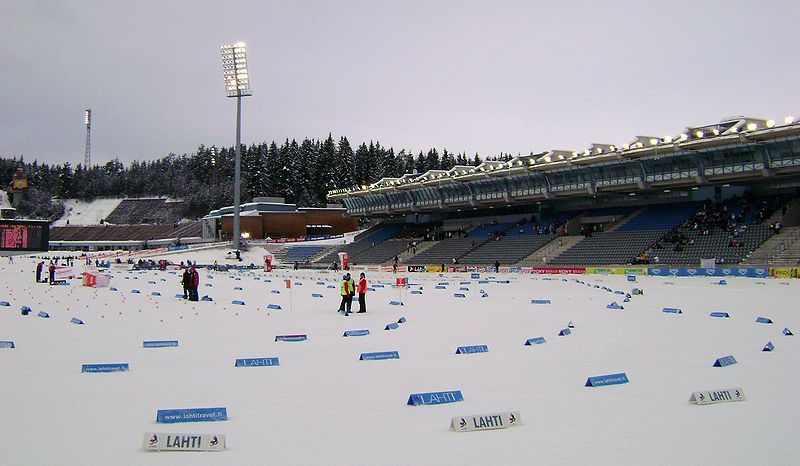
(355,333)
(564,332)
(719,314)
(238,302)
(540,301)
(7,344)
(316,295)
(392,326)
(611,379)
(459,295)
(434,398)
(440,287)
(113,367)
(787,332)
(291,337)
(472,349)
(535,341)
(764,320)
(274,306)
(159,343)
(672,310)
(170,416)
(379,355)
(43,315)
(768,347)
(475,276)
(257,362)
(725,361)
(76,321)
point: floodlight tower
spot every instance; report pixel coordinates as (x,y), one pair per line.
(87,156)
(237,84)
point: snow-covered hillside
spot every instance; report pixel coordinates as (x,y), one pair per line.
(80,212)
(322,405)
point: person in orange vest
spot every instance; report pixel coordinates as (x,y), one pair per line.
(362,293)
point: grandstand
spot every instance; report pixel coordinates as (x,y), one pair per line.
(124,232)
(146,211)
(628,202)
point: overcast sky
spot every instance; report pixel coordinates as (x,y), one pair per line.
(486,77)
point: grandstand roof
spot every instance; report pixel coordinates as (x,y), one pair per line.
(727,131)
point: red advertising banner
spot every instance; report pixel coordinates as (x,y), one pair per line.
(558,270)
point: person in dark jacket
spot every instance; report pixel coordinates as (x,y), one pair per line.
(52,270)
(194,283)
(186,281)
(344,289)
(39,268)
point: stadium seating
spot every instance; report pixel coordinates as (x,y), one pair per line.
(616,247)
(381,252)
(124,232)
(715,245)
(300,253)
(444,251)
(139,211)
(660,217)
(508,250)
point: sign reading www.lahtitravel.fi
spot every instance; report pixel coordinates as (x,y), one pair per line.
(191,415)
(485,421)
(157,441)
(717,396)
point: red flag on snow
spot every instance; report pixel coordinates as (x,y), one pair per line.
(288,283)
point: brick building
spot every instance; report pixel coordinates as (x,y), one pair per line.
(270,217)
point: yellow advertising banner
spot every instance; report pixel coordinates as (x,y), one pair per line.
(783,272)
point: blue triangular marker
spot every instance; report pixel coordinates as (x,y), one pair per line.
(769,346)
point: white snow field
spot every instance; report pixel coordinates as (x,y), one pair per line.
(80,212)
(322,406)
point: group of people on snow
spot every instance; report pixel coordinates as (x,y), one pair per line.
(348,289)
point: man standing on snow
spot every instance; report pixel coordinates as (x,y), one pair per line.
(362,293)
(345,292)
(194,283)
(186,281)
(352,288)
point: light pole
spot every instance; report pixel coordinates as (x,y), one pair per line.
(237,84)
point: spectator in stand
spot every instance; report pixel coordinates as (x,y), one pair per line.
(39,268)
(52,270)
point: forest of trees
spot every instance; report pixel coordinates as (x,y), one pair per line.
(302,173)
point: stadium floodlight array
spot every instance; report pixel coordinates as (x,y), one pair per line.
(237,84)
(234,69)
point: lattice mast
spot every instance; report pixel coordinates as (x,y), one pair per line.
(87,157)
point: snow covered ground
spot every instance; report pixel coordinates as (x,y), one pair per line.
(324,406)
(80,212)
